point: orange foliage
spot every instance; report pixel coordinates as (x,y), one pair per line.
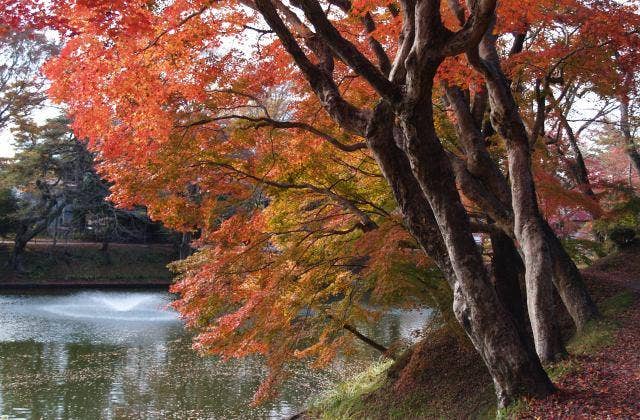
(178,101)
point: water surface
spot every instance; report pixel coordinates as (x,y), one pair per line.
(123,354)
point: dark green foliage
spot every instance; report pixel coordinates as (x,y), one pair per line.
(85,264)
(621,224)
(583,251)
(59,193)
(622,237)
(8,209)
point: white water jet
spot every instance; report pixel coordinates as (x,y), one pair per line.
(113,306)
(121,302)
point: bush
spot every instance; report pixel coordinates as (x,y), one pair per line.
(8,207)
(622,237)
(620,224)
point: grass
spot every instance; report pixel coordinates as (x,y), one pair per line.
(513,411)
(369,395)
(595,336)
(347,397)
(600,333)
(86,263)
(617,304)
(441,377)
(561,368)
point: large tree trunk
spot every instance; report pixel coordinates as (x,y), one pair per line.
(537,257)
(495,198)
(514,367)
(480,179)
(569,283)
(520,219)
(542,251)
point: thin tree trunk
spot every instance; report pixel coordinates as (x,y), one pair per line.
(19,246)
(55,231)
(24,234)
(625,127)
(580,172)
(184,247)
(368,341)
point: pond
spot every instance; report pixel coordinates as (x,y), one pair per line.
(123,354)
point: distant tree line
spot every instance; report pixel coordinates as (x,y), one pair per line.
(50,187)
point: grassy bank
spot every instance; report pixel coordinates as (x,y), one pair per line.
(443,377)
(84,264)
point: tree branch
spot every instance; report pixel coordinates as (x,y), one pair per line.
(348,52)
(345,114)
(266,121)
(367,224)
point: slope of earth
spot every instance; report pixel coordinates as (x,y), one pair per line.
(443,377)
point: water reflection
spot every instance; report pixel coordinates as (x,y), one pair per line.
(121,355)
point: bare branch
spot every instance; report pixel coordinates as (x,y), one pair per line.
(366,223)
(265,121)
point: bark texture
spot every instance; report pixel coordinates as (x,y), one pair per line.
(625,127)
(401,135)
(498,338)
(545,260)
(508,272)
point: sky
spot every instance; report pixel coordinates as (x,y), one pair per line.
(5,146)
(41,115)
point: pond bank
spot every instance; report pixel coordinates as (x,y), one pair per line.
(86,265)
(443,377)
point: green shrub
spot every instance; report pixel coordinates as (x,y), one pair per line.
(622,237)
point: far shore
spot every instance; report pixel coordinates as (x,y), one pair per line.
(81,264)
(107,284)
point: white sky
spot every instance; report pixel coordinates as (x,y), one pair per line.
(41,115)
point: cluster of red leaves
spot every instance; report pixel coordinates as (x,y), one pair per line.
(577,40)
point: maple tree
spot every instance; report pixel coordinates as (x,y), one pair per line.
(317,146)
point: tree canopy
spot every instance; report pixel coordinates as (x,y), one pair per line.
(340,155)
